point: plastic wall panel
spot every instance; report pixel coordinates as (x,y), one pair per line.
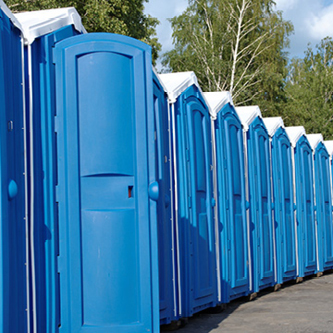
(324,207)
(262,240)
(107,223)
(232,205)
(284,206)
(13,300)
(306,230)
(45,170)
(166,231)
(195,193)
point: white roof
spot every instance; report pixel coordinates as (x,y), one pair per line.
(272,124)
(176,83)
(159,79)
(329,146)
(295,133)
(247,114)
(43,22)
(217,100)
(9,14)
(314,140)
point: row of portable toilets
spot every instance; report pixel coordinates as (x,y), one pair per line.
(130,199)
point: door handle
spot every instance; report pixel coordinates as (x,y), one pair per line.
(154,191)
(12,189)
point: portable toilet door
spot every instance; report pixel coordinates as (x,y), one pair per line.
(13,222)
(283,198)
(329,148)
(42,30)
(323,202)
(107,190)
(259,175)
(193,192)
(167,250)
(305,219)
(232,227)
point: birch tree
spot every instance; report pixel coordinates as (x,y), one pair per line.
(232,45)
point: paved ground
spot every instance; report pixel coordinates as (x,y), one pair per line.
(303,307)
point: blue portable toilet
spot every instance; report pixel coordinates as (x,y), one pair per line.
(323,202)
(167,250)
(258,173)
(329,147)
(193,192)
(232,219)
(13,217)
(107,188)
(283,198)
(42,30)
(305,205)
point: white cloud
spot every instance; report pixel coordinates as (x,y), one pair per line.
(286,4)
(311,20)
(320,26)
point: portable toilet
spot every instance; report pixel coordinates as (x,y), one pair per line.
(167,249)
(258,173)
(232,227)
(192,160)
(329,147)
(13,217)
(323,202)
(283,199)
(42,30)
(304,185)
(104,201)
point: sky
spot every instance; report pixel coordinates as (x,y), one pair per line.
(312,20)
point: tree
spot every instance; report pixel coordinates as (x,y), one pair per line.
(309,90)
(124,17)
(234,45)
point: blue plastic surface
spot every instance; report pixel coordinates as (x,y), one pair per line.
(324,207)
(284,216)
(45,171)
(233,227)
(13,300)
(261,228)
(306,235)
(195,193)
(166,242)
(107,223)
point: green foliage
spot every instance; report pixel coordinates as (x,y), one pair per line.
(309,90)
(124,17)
(234,45)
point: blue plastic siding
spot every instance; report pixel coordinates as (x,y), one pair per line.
(195,193)
(262,242)
(107,223)
(45,166)
(324,207)
(13,303)
(305,219)
(232,205)
(284,207)
(167,273)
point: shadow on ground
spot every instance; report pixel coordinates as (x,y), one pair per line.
(302,307)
